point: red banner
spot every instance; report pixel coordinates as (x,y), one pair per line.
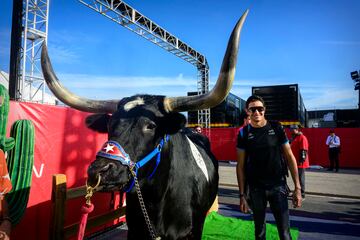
(64,145)
(318,150)
(223,145)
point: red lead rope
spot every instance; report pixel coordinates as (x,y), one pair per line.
(85,210)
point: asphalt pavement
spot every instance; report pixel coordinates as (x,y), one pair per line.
(331,209)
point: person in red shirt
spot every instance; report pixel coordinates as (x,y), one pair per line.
(300,148)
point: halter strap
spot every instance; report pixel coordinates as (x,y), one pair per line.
(114,151)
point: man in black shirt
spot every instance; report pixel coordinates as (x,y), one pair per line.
(260,149)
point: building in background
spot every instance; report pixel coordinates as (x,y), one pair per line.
(226,114)
(284,103)
(343,118)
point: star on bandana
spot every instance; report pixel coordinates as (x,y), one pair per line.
(109,148)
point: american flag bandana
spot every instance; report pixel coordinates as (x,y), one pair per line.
(113,150)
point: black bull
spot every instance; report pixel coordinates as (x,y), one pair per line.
(184,184)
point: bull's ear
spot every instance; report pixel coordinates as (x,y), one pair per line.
(171,123)
(98,122)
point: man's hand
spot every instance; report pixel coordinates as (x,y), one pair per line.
(244,207)
(297,199)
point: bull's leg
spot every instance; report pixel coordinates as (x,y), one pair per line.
(198,224)
(135,220)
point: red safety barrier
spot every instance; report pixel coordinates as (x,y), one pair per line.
(223,145)
(64,145)
(350,150)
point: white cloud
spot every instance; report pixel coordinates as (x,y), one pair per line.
(117,87)
(66,37)
(328,97)
(64,45)
(83,81)
(61,54)
(121,86)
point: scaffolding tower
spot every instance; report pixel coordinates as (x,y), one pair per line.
(30,84)
(128,17)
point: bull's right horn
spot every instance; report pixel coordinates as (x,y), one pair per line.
(69,98)
(223,84)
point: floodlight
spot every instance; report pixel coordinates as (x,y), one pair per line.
(354,75)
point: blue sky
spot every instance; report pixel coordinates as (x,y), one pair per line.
(315,44)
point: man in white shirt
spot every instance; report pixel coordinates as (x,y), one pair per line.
(333,142)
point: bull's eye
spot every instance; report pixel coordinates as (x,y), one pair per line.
(150,126)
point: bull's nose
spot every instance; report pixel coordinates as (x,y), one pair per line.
(96,169)
(107,167)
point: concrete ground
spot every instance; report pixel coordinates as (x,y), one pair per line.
(345,183)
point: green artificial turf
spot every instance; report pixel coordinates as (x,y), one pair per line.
(218,227)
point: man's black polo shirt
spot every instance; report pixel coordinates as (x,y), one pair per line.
(264,165)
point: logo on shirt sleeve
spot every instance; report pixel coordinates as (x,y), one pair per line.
(271,132)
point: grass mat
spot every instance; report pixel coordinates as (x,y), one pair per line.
(218,227)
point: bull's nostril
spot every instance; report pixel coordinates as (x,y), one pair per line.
(107,167)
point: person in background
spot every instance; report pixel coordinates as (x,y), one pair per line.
(259,155)
(333,142)
(300,148)
(5,187)
(244,119)
(198,129)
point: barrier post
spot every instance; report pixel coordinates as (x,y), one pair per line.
(58,199)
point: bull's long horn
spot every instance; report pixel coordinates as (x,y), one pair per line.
(223,84)
(67,97)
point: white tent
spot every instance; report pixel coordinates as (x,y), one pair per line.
(48,99)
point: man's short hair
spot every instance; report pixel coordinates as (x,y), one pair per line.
(254,98)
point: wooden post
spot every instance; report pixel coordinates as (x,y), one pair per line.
(60,194)
(58,199)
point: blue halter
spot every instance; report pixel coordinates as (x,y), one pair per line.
(113,150)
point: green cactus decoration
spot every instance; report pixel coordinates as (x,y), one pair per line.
(20,164)
(5,143)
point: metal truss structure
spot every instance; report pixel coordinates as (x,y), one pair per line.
(128,17)
(35,28)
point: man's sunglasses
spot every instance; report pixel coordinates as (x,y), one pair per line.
(254,109)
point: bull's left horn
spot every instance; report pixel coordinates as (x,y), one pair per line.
(223,84)
(67,97)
